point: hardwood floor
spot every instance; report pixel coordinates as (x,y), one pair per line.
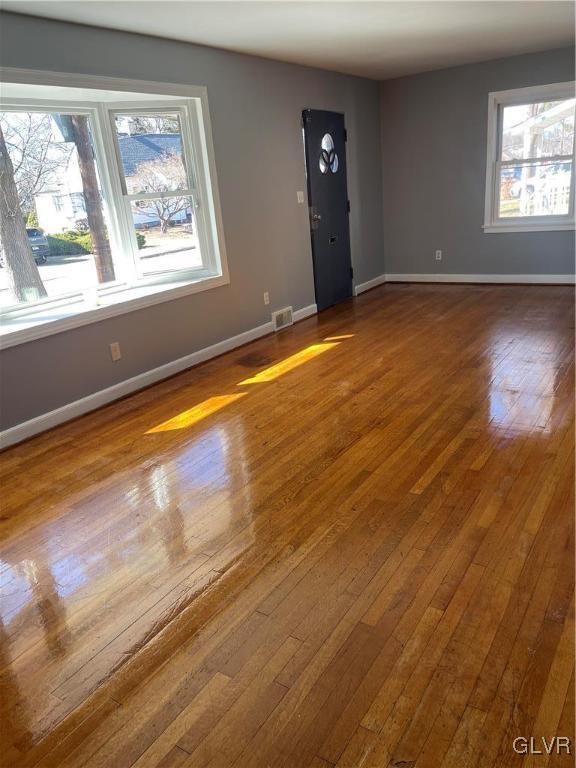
(349,544)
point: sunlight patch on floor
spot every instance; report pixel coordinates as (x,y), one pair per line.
(342,337)
(269,374)
(193,415)
(197,413)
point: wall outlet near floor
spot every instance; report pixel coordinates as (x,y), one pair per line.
(438,255)
(300,196)
(115,351)
(266,297)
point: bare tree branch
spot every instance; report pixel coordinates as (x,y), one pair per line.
(35,155)
(165,175)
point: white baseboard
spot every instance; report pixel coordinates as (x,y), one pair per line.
(439,277)
(77,408)
(361,287)
(451,278)
(302,314)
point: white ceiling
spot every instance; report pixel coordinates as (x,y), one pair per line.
(375,39)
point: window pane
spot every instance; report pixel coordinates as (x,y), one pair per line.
(58,240)
(545,129)
(151,152)
(535,190)
(166,233)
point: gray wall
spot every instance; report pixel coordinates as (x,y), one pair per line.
(434,163)
(255,106)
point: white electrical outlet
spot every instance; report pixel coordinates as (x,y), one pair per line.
(266,297)
(300,196)
(115,352)
(438,255)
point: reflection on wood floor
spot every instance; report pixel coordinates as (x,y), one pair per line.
(348,544)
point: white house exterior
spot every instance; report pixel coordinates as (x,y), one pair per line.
(62,207)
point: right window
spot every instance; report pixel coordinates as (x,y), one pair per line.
(530,162)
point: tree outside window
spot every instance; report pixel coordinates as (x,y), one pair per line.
(35,151)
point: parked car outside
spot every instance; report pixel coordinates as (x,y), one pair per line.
(39,244)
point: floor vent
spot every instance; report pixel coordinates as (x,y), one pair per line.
(282,319)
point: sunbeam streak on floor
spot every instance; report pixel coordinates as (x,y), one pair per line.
(269,374)
(197,413)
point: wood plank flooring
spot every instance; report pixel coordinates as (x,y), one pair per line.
(348,544)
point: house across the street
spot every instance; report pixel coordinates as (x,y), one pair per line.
(63,208)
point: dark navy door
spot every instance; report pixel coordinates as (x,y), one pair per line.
(325,145)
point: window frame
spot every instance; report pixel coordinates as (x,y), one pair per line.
(197,188)
(497,100)
(132,289)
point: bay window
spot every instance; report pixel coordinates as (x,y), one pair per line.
(119,191)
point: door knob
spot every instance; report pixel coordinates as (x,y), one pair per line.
(315,218)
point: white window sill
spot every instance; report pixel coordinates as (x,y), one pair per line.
(24,327)
(527,227)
